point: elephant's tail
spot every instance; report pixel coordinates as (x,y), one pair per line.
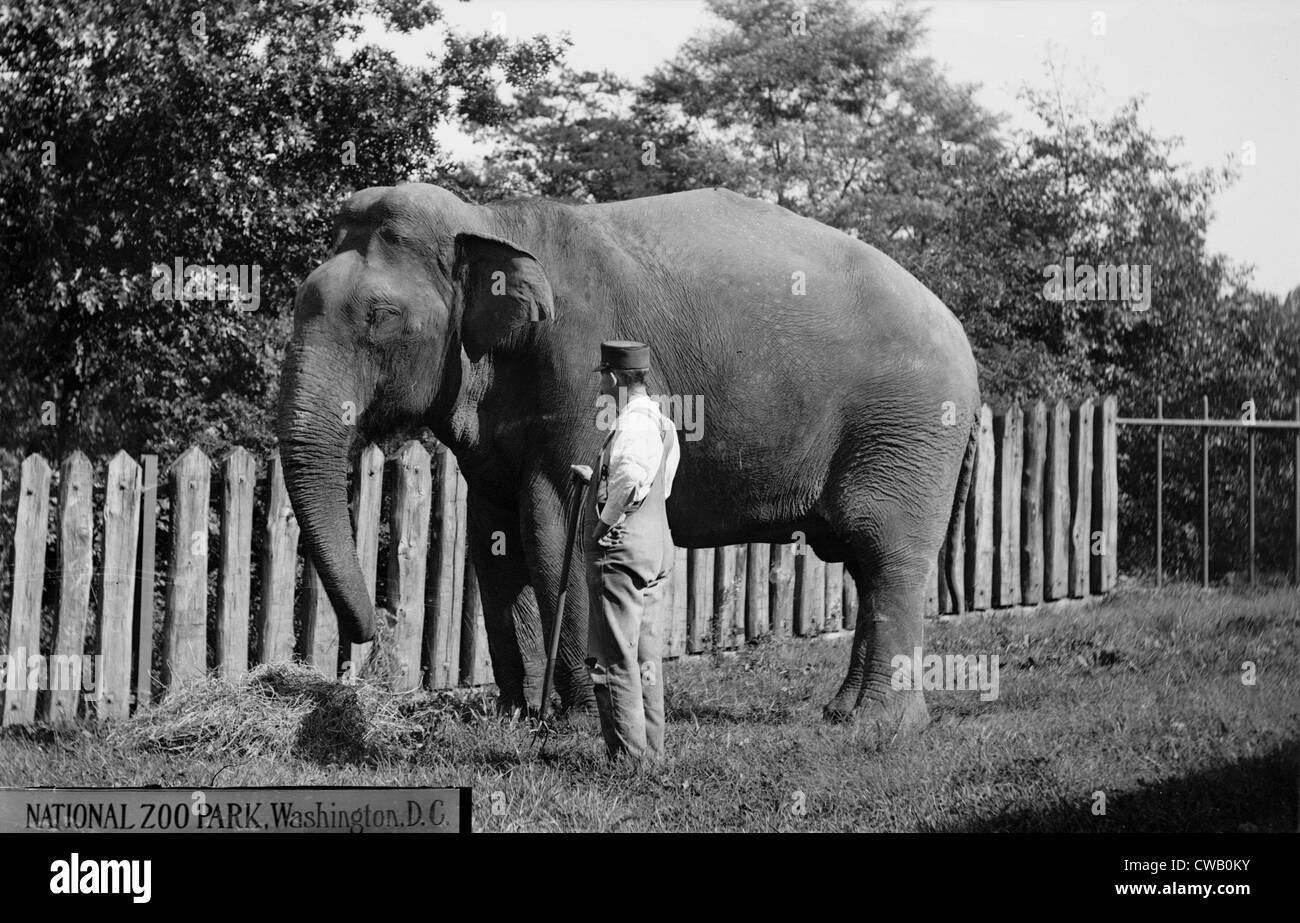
(957,521)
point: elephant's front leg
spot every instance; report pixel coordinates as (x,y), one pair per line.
(545,529)
(510,615)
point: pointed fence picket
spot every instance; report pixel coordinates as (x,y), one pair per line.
(186,618)
(238,475)
(279,571)
(1031,505)
(28,586)
(408,554)
(368,493)
(122,493)
(146,608)
(1081,494)
(1056,504)
(76,540)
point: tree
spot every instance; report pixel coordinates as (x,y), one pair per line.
(140,134)
(833,110)
(588,137)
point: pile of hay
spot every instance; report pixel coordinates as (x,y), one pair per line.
(286,710)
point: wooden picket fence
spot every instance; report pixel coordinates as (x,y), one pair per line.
(1040,525)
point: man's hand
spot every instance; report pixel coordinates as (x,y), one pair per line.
(605,535)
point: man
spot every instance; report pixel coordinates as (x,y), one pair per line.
(629,557)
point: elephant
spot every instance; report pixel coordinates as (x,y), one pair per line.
(840,401)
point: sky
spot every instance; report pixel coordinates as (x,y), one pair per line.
(1224,75)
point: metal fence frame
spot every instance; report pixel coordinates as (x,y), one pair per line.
(1205,424)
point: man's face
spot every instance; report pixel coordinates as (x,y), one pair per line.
(608,384)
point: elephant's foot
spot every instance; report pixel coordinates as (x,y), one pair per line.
(512,707)
(841,707)
(895,714)
(581,710)
(575,710)
(569,701)
(577,696)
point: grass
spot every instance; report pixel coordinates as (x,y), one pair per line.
(1140,697)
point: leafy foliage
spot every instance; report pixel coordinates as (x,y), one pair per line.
(142,133)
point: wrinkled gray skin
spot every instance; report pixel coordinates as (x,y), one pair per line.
(824,412)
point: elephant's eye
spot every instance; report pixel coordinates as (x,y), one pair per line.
(383,317)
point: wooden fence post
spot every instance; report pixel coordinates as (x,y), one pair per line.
(810,592)
(1205,493)
(1056,505)
(669,602)
(1160,492)
(319,644)
(121,529)
(979,517)
(4,556)
(724,596)
(1009,433)
(833,599)
(700,600)
(1250,503)
(781,605)
(739,593)
(675,645)
(76,537)
(445,588)
(1105,497)
(146,610)
(850,603)
(1031,505)
(187,590)
(239,475)
(1080,497)
(279,571)
(757,589)
(408,556)
(31,529)
(369,494)
(475,664)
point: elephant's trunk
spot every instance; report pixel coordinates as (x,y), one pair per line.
(318,411)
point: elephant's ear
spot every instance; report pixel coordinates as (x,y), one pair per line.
(503,288)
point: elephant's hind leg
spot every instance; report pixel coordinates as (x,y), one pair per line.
(889,624)
(889,503)
(889,553)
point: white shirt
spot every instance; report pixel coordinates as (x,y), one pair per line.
(641,435)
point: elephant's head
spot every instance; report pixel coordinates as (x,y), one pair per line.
(415,278)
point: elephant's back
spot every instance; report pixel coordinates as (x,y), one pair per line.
(742,264)
(716,234)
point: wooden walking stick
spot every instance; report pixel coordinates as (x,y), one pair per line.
(581,479)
